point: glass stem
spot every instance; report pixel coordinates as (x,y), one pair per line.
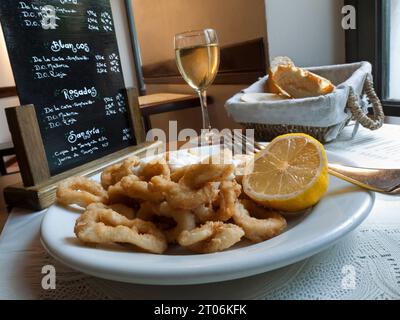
(204,109)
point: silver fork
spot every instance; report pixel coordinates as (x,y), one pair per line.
(379,180)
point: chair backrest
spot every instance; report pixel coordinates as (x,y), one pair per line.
(6,101)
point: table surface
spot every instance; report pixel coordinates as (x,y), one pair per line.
(370,255)
(163,98)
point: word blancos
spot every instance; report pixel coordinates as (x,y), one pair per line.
(84,135)
(57,46)
(75,93)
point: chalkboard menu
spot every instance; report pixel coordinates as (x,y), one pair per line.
(65,61)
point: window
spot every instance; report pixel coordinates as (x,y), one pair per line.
(393,34)
(377,40)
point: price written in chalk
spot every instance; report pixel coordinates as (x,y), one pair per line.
(114,105)
(99,21)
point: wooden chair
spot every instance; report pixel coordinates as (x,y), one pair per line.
(166,102)
(6,149)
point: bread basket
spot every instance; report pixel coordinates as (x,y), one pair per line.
(322,117)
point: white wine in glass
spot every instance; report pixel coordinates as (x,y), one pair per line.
(197,57)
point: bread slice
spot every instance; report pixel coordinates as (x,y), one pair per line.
(300,83)
(280,61)
(271,86)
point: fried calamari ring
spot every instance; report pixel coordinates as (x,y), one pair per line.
(120,208)
(157,167)
(140,190)
(116,194)
(211,237)
(184,219)
(205,212)
(226,201)
(116,172)
(197,175)
(178,174)
(229,193)
(124,210)
(107,226)
(258,230)
(81,191)
(180,196)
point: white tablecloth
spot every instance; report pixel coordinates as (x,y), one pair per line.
(363,265)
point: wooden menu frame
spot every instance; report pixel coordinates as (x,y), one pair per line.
(38,188)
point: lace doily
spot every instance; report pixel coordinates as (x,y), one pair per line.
(371,255)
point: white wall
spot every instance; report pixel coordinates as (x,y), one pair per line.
(157,21)
(308,31)
(124,42)
(6,77)
(6,80)
(5,135)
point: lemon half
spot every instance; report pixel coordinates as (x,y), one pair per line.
(291,174)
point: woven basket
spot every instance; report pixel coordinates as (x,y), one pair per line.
(267,132)
(357,112)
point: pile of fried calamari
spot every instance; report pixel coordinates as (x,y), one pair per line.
(200,207)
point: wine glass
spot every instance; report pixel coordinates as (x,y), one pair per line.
(197,57)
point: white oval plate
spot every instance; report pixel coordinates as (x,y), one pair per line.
(339,212)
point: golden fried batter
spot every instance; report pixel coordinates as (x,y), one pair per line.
(180,196)
(184,219)
(116,172)
(211,237)
(157,167)
(120,208)
(223,207)
(140,190)
(197,175)
(258,230)
(116,194)
(107,226)
(81,191)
